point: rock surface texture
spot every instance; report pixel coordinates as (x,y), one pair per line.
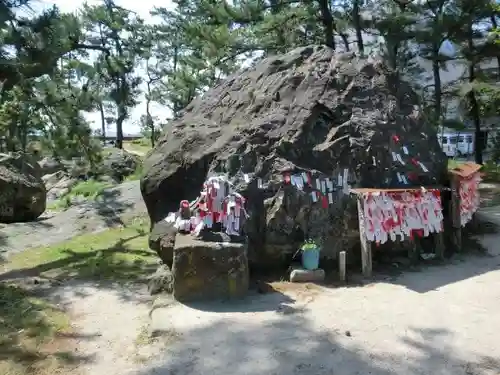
(205,270)
(22,191)
(310,110)
(120,164)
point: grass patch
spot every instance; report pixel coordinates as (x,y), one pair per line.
(491,172)
(141,145)
(136,175)
(34,335)
(117,254)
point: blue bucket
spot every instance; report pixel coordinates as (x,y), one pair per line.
(310,259)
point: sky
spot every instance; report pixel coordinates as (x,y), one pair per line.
(142,8)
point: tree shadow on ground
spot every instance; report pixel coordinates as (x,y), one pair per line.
(437,349)
(34,333)
(298,345)
(111,205)
(480,255)
(110,267)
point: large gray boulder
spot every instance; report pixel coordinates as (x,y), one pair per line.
(22,190)
(58,184)
(120,163)
(50,165)
(310,110)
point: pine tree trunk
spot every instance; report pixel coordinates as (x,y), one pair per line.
(327,19)
(437,87)
(357,26)
(103,122)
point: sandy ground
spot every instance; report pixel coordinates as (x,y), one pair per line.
(442,320)
(112,325)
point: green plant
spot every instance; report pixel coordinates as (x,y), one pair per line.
(310,244)
(491,172)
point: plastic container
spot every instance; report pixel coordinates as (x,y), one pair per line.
(310,259)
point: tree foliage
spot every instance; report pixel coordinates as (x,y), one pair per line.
(56,66)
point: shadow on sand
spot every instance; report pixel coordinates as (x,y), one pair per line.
(297,346)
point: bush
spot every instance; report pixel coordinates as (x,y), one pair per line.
(491,172)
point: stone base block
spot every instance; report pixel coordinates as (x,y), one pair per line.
(299,274)
(162,240)
(209,270)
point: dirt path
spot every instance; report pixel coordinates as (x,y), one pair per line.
(442,320)
(54,227)
(112,324)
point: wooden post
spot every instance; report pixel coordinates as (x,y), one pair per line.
(456,226)
(342,266)
(366,247)
(413,251)
(439,245)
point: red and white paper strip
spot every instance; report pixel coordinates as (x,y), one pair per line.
(469,198)
(391,215)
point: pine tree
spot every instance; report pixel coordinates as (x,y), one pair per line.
(120,33)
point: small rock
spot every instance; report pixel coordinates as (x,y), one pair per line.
(161,281)
(119,164)
(302,275)
(50,165)
(348,333)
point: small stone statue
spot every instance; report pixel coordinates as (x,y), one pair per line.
(184,210)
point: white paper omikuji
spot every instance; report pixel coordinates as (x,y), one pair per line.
(374,161)
(400,178)
(424,168)
(339,180)
(313,196)
(394,156)
(330,198)
(323,186)
(304,177)
(299,182)
(400,159)
(416,213)
(405,150)
(246,178)
(318,184)
(259,183)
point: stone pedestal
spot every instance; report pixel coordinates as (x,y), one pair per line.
(300,274)
(209,270)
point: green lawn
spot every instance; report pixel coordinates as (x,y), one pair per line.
(141,146)
(120,254)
